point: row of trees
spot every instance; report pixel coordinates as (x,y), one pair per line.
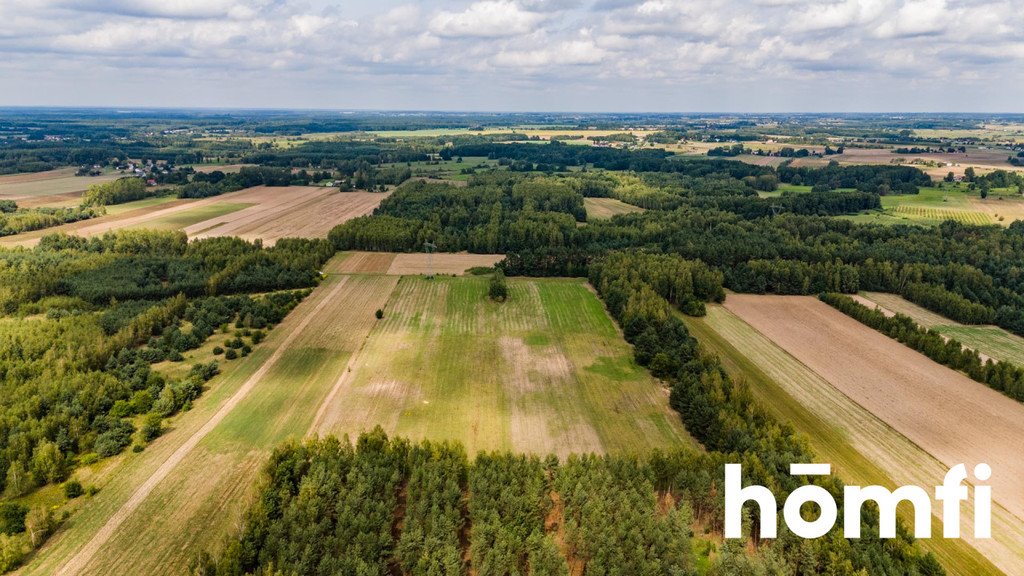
(16,221)
(1002,376)
(116,192)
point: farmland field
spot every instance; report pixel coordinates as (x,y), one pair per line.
(599,208)
(185,218)
(52,183)
(193,482)
(908,401)
(254,213)
(294,211)
(991,341)
(862,449)
(932,206)
(544,372)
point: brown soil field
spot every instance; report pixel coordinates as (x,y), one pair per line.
(35,176)
(51,201)
(408,264)
(361,263)
(863,449)
(294,211)
(950,416)
(1010,209)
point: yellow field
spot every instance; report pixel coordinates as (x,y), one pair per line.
(602,208)
(940,214)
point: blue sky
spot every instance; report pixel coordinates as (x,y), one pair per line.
(518,55)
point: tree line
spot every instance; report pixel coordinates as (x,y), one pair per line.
(1005,377)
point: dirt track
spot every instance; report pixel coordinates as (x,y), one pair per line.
(947,414)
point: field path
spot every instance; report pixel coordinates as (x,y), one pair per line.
(82,558)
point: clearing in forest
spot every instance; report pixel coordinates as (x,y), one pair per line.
(899,405)
(602,208)
(545,372)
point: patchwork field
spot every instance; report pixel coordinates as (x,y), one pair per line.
(932,206)
(545,372)
(896,403)
(599,208)
(260,212)
(193,215)
(990,341)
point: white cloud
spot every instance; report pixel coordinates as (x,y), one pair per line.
(496,47)
(486,19)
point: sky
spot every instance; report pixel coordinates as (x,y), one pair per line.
(517,55)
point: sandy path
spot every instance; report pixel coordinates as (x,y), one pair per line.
(82,558)
(950,416)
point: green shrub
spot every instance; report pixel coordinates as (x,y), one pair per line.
(73,489)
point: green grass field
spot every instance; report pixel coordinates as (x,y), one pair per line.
(930,207)
(116,209)
(546,371)
(861,449)
(992,341)
(186,218)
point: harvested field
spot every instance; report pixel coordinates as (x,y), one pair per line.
(410,264)
(196,479)
(53,183)
(544,372)
(294,211)
(271,214)
(862,449)
(1004,211)
(601,208)
(361,263)
(942,412)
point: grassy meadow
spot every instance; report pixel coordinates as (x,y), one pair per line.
(546,371)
